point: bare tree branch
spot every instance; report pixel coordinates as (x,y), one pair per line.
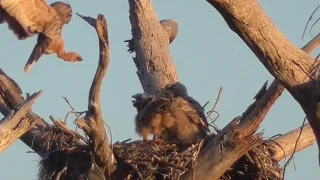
(93,123)
(286,143)
(312,45)
(153,60)
(256,112)
(10,98)
(294,69)
(15,124)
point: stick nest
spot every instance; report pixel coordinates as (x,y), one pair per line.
(62,150)
(146,160)
(152,160)
(256,164)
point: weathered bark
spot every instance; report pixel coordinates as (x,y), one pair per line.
(288,143)
(11,98)
(294,69)
(93,123)
(15,124)
(153,60)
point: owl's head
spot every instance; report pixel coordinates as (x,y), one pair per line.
(64,11)
(177,89)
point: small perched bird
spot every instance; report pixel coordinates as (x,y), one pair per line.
(170,115)
(27,18)
(170,26)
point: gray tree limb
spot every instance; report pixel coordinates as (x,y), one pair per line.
(10,98)
(256,112)
(293,68)
(153,60)
(15,124)
(93,123)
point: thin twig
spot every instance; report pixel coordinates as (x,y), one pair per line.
(216,103)
(110,132)
(304,31)
(313,25)
(295,147)
(63,170)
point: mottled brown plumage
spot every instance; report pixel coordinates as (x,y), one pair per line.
(170,116)
(27,18)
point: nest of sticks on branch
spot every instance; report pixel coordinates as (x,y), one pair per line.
(160,160)
(61,151)
(256,164)
(154,159)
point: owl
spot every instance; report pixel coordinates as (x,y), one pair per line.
(170,115)
(27,18)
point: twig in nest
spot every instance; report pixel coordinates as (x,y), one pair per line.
(194,158)
(135,168)
(110,132)
(73,111)
(166,162)
(63,170)
(279,145)
(304,31)
(213,110)
(216,103)
(64,128)
(295,147)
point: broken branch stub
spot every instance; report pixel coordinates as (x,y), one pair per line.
(93,123)
(15,124)
(10,98)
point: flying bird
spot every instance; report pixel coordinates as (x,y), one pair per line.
(28,18)
(169,116)
(170,26)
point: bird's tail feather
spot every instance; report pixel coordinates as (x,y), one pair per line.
(38,50)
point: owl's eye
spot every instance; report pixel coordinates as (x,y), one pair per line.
(69,16)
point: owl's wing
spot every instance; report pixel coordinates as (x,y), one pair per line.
(30,15)
(39,49)
(200,110)
(193,110)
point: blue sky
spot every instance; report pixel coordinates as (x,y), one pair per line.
(206,53)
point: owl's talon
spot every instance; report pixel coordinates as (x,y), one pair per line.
(79,59)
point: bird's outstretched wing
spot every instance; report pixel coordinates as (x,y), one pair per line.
(26,18)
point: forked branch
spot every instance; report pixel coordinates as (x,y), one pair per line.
(293,68)
(93,123)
